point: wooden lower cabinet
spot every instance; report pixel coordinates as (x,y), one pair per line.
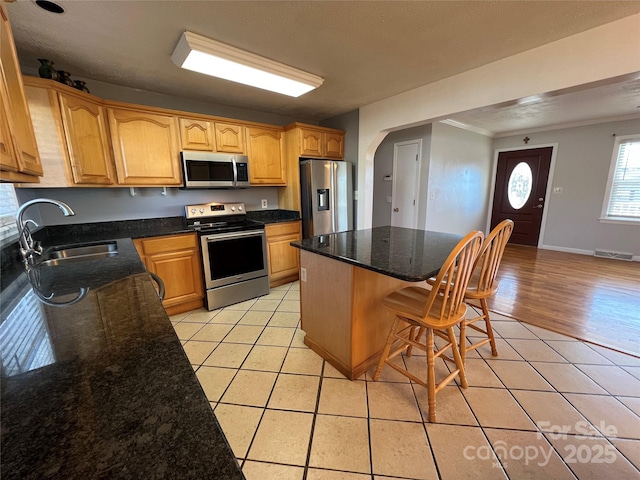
(176,260)
(283,258)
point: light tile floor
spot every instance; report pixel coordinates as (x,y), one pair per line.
(547,407)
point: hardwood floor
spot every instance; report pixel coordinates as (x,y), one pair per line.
(592,299)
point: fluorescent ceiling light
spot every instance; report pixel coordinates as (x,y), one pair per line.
(201,54)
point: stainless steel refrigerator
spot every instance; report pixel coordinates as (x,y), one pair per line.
(326,195)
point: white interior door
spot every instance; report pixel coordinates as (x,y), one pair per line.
(406,174)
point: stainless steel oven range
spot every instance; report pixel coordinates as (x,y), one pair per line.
(234,253)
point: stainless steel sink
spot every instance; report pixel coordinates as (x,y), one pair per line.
(79,253)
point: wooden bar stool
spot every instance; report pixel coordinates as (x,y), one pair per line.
(483,284)
(437,311)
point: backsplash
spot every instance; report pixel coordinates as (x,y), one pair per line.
(112,204)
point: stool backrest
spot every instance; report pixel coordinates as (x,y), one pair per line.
(488,261)
(453,278)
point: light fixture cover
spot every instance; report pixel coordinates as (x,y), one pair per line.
(201,54)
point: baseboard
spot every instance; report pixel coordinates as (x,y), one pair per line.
(579,251)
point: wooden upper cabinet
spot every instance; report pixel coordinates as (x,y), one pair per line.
(19,131)
(85,129)
(311,143)
(209,136)
(145,147)
(229,138)
(334,145)
(266,159)
(197,135)
(8,158)
(319,142)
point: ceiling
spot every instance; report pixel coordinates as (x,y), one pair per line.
(365,50)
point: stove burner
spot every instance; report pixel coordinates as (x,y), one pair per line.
(219,218)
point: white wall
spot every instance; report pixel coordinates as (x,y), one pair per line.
(384,166)
(581,169)
(108,204)
(459,180)
(598,54)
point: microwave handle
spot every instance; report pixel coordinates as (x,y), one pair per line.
(235,172)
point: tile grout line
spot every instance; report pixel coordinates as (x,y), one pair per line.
(313,423)
(414,386)
(264,409)
(366,391)
(424,423)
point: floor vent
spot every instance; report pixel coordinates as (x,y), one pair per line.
(615,255)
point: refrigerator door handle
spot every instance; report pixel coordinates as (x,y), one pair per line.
(334,209)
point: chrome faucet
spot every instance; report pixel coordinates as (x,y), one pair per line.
(29,248)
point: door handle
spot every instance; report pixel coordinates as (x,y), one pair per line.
(396,209)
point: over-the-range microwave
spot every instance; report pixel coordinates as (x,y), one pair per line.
(214,170)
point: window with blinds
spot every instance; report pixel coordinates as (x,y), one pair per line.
(8,208)
(622,201)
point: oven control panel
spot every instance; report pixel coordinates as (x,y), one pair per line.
(213,209)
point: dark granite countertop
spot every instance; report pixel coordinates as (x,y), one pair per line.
(273,216)
(98,385)
(147,227)
(404,253)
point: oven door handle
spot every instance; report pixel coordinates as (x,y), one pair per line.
(227,236)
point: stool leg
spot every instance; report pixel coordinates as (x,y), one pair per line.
(457,357)
(431,376)
(463,340)
(487,322)
(387,347)
(412,337)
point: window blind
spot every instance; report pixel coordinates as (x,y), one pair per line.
(625,189)
(8,208)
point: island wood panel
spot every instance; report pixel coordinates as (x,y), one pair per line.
(325,308)
(371,320)
(342,314)
(592,299)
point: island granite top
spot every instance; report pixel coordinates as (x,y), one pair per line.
(404,253)
(95,383)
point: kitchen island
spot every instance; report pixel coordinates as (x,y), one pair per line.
(344,277)
(95,383)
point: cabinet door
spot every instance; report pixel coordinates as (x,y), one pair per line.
(87,140)
(13,101)
(266,161)
(8,159)
(334,145)
(283,258)
(145,147)
(311,143)
(176,260)
(229,138)
(197,135)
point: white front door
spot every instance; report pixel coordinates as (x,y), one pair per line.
(406,174)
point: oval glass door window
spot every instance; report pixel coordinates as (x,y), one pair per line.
(520,183)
